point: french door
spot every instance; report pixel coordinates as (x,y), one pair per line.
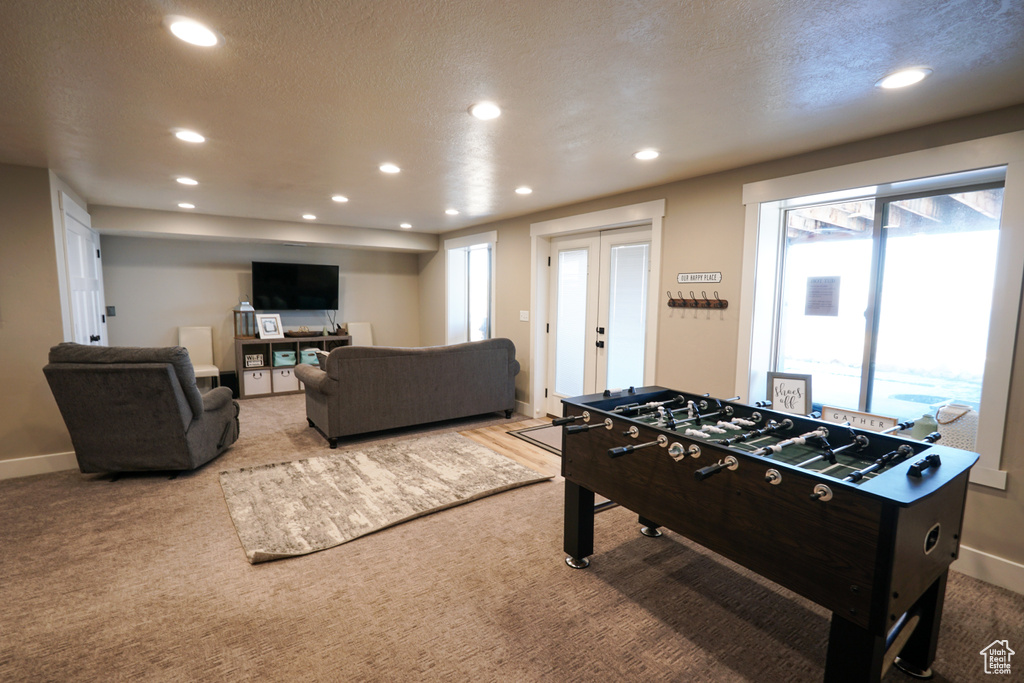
(598,313)
(85,276)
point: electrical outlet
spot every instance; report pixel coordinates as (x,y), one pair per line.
(524,316)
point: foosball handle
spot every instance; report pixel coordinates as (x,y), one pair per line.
(576,429)
(924,463)
(618,452)
(559,421)
(709,471)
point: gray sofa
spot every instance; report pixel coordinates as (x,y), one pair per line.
(360,389)
(133,409)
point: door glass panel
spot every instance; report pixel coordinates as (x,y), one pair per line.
(826,283)
(935,303)
(627,315)
(457,296)
(571,322)
(479,292)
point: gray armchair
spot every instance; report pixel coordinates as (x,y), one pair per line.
(133,409)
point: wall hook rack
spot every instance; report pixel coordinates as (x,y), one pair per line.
(680,301)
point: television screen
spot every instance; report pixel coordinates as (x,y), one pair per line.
(294,287)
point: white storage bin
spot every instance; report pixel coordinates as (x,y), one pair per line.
(285,380)
(256,382)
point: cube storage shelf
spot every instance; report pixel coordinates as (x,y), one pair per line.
(258,375)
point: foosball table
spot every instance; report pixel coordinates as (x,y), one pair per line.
(865,524)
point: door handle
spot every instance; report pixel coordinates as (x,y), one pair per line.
(600,344)
(94,337)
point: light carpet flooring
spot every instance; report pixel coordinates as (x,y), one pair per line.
(143,579)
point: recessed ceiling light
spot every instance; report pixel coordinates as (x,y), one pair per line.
(340,198)
(188,135)
(524,190)
(191,31)
(485,111)
(309,216)
(902,79)
(452,212)
(405,225)
(389,168)
(187,181)
(646,154)
(186,205)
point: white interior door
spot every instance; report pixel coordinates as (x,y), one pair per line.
(598,308)
(85,276)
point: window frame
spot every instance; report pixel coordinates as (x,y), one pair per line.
(876,279)
(490,239)
(967,163)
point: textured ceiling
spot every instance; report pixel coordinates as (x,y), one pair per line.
(306,98)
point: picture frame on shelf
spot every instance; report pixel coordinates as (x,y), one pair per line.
(790,393)
(269,326)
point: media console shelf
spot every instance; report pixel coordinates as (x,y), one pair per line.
(254,363)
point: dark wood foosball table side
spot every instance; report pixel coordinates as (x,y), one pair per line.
(876,557)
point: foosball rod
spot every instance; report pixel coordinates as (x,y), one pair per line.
(576,429)
(830,453)
(647,407)
(774,427)
(891,458)
(898,428)
(673,422)
(797,440)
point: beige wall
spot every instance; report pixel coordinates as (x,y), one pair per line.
(30,317)
(703,231)
(157,285)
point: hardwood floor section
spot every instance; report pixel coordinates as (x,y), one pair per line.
(498,439)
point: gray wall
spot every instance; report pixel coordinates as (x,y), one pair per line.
(703,231)
(157,285)
(30,317)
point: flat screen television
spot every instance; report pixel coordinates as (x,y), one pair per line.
(294,287)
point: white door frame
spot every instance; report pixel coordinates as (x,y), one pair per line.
(651,213)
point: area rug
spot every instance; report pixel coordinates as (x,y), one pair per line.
(295,508)
(545,436)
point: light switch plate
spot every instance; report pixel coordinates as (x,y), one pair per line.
(524,316)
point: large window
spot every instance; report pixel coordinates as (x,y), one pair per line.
(938,308)
(470,287)
(886,302)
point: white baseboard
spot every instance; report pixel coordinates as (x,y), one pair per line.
(37,464)
(991,569)
(523,408)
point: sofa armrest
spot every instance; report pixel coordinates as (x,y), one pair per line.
(315,379)
(215,399)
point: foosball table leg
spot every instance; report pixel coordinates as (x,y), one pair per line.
(855,655)
(579,525)
(649,528)
(917,655)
